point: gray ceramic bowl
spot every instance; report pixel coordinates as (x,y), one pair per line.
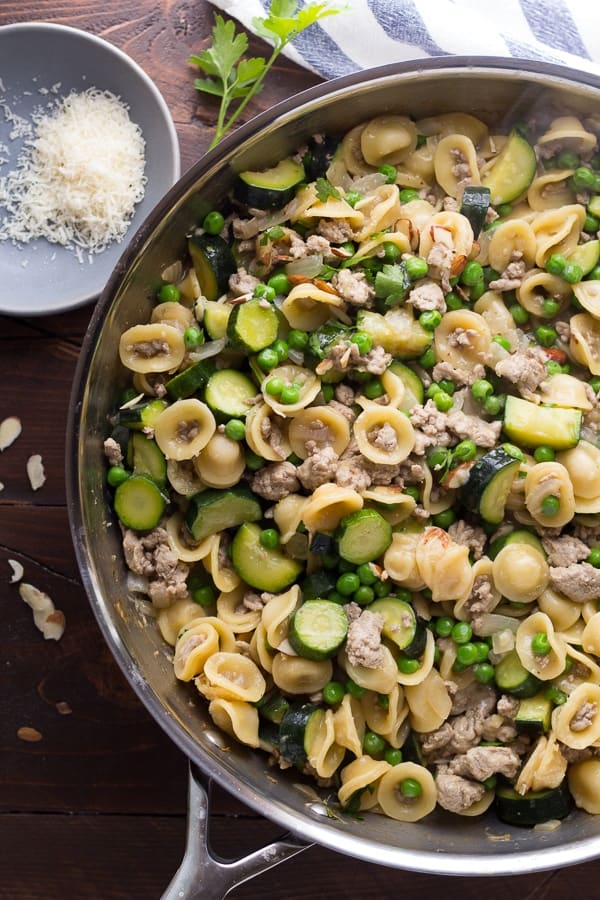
(38,277)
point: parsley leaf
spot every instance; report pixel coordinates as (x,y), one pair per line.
(325,189)
(234,78)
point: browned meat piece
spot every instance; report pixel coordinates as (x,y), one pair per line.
(565,550)
(363,642)
(471,536)
(579,582)
(275,481)
(319,467)
(353,287)
(525,368)
(455,793)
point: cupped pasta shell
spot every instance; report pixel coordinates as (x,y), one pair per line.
(382,679)
(452,153)
(584,342)
(349,724)
(566,391)
(388,139)
(372,244)
(352,152)
(562,611)
(538,285)
(231,610)
(588,294)
(233,676)
(183,478)
(194,645)
(333,208)
(443,565)
(584,785)
(583,465)
(425,664)
(551,190)
(221,463)
(174,314)
(369,426)
(429,702)
(224,577)
(325,755)
(327,505)
(184,428)
(307,307)
(321,424)
(289,374)
(557,231)
(545,768)
(454,123)
(400,560)
(152,348)
(395,805)
(509,238)
(357,777)
(381,209)
(543,667)
(462,337)
(171,619)
(391,501)
(181,542)
(549,479)
(287,515)
(520,572)
(259,422)
(450,228)
(237,718)
(568,132)
(296,675)
(276,615)
(381,717)
(577,722)
(590,638)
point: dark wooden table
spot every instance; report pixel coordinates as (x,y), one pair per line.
(96,808)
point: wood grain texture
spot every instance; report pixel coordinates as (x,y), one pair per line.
(96,808)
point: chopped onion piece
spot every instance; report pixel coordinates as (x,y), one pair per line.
(490,623)
(296,356)
(365,183)
(17,570)
(137,584)
(308,266)
(172,273)
(503,641)
(208,350)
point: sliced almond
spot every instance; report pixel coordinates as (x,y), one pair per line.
(10,429)
(31,735)
(35,471)
(17,570)
(63,708)
(49,620)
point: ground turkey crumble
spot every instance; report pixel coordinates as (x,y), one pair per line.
(151,556)
(579,582)
(363,642)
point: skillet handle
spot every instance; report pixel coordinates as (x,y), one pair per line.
(203,875)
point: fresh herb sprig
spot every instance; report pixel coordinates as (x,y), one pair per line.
(233,78)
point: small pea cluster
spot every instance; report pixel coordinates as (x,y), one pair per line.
(441,460)
(201,588)
(358,583)
(469,652)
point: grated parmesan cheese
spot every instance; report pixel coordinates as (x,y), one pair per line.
(79,176)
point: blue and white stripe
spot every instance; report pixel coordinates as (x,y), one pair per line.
(376,32)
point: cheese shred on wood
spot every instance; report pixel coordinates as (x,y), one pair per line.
(79,177)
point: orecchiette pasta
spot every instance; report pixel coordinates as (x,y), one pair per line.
(396,804)
(183,429)
(152,348)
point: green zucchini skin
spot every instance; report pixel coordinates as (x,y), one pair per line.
(401,625)
(252,327)
(534,715)
(293,739)
(534,807)
(142,415)
(513,678)
(214,510)
(270,188)
(363,536)
(319,156)
(474,206)
(518,536)
(318,629)
(489,484)
(529,425)
(261,568)
(139,503)
(318,584)
(213,263)
(513,171)
(145,458)
(228,392)
(192,379)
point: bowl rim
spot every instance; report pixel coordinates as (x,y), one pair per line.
(172,161)
(430,861)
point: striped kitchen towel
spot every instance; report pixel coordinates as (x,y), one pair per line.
(375,32)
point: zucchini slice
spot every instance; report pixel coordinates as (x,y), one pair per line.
(534,715)
(513,171)
(363,536)
(489,484)
(518,536)
(318,584)
(414,392)
(192,379)
(214,510)
(145,458)
(319,156)
(142,415)
(228,393)
(271,188)
(474,206)
(297,730)
(252,327)
(274,708)
(322,543)
(215,318)
(260,567)
(513,678)
(401,625)
(318,629)
(534,807)
(529,425)
(213,263)
(139,503)
(586,256)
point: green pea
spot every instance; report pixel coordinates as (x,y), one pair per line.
(444,519)
(274,387)
(582,178)
(169,293)
(411,490)
(416,268)
(410,788)
(545,335)
(482,649)
(595,384)
(476,291)
(347,584)
(432,390)
(540,644)
(392,756)
(481,388)
(493,405)
(594,557)
(204,596)
(290,394)
(572,273)
(555,695)
(280,283)
(366,574)
(454,301)
(269,538)
(444,626)
(591,223)
(427,359)
(374,389)
(116,475)
(408,194)
(466,654)
(501,341)
(267,359)
(363,341)
(353,197)
(235,430)
(461,632)
(437,457)
(373,743)
(253,460)
(443,401)
(556,264)
(382,589)
(490,274)
(553,367)
(193,337)
(297,340)
(550,307)
(472,273)
(281,349)
(430,319)
(328,392)
(551,505)
(447,385)
(333,693)
(408,666)
(391,251)
(519,314)
(594,275)
(483,672)
(465,451)
(345,566)
(213,222)
(544,454)
(355,689)
(363,595)
(404,594)
(567,159)
(514,451)
(389,173)
(490,783)
(336,597)
(504,209)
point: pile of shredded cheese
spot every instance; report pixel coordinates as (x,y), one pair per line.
(78,178)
